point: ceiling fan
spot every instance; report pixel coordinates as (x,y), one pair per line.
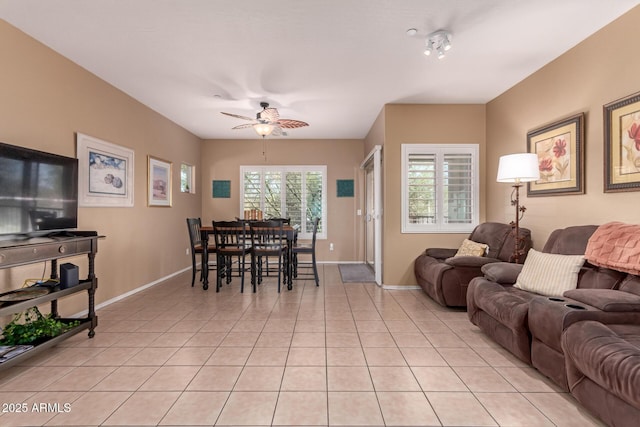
(268,122)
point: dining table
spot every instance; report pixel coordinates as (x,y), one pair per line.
(291,233)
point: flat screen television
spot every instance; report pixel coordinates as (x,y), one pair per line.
(38,192)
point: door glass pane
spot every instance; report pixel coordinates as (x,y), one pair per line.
(313,199)
(272,194)
(252,190)
(294,197)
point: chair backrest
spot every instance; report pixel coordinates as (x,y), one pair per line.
(286,221)
(267,235)
(230,234)
(316,221)
(195,238)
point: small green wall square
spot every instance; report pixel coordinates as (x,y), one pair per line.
(345,187)
(221,189)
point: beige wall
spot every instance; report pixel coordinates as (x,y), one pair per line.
(421,124)
(44,100)
(599,70)
(223,158)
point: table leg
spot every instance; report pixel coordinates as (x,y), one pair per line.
(289,277)
(205,260)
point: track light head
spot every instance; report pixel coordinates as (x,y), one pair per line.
(440,41)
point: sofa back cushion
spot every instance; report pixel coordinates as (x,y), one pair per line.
(569,241)
(631,283)
(499,239)
(600,278)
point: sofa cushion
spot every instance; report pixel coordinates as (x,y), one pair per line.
(549,274)
(507,305)
(471,248)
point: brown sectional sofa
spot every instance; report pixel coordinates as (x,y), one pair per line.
(540,329)
(445,277)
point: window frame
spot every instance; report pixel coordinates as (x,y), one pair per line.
(191,182)
(283,169)
(439,151)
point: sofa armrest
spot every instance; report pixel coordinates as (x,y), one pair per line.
(470,261)
(504,273)
(607,300)
(440,253)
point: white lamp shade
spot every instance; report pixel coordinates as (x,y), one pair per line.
(521,167)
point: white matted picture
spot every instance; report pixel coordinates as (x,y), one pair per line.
(105,173)
(159,182)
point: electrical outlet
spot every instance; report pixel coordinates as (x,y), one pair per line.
(187,251)
(330,246)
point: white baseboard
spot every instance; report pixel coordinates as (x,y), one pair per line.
(401,287)
(132,292)
(162,279)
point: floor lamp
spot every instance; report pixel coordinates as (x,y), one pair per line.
(516,169)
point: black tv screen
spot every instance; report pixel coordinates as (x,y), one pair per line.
(38,191)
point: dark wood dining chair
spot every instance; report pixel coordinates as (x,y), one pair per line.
(195,240)
(311,266)
(232,241)
(268,239)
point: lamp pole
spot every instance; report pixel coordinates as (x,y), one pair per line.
(519,209)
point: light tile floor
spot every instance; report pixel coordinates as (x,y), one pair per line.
(338,354)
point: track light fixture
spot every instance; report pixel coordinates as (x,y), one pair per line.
(439,42)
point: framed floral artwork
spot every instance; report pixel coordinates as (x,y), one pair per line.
(159,182)
(622,145)
(560,150)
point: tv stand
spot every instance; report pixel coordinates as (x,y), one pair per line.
(18,252)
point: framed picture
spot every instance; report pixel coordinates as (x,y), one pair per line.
(159,182)
(560,150)
(622,145)
(105,173)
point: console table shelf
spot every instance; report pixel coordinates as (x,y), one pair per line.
(23,252)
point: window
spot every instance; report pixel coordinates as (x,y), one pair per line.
(440,185)
(296,192)
(187,182)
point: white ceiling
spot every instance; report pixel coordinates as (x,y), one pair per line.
(331,63)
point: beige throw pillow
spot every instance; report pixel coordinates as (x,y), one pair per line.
(549,274)
(471,248)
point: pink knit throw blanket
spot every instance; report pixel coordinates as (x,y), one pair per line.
(615,245)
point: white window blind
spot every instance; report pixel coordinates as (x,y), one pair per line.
(296,192)
(440,188)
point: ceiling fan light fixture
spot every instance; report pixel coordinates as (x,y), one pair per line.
(263,129)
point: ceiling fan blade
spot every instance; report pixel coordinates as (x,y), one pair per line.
(277,131)
(291,124)
(243,126)
(269,114)
(237,116)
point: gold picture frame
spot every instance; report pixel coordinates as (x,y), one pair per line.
(560,150)
(622,145)
(159,182)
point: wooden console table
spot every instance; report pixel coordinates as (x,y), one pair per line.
(50,249)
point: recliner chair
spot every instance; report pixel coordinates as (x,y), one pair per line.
(445,277)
